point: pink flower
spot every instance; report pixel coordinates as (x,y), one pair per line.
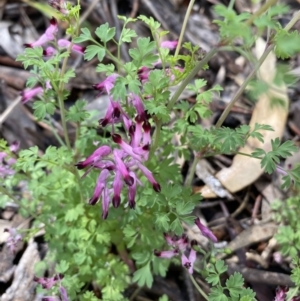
(101,184)
(169,44)
(13,239)
(107,84)
(62,43)
(180,247)
(97,155)
(49,35)
(29,94)
(49,51)
(205,231)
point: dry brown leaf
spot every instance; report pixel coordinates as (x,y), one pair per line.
(245,170)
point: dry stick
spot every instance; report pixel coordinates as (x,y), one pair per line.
(10,108)
(253,72)
(188,12)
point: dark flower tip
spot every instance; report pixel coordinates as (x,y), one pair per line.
(59,276)
(36,279)
(105,215)
(6,230)
(187,265)
(132,130)
(139,118)
(80,165)
(156,187)
(157,253)
(146,147)
(132,204)
(93,201)
(129,180)
(103,122)
(116,113)
(147,126)
(117,139)
(116,201)
(194,243)
(53,21)
(27,45)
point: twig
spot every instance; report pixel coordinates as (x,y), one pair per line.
(10,108)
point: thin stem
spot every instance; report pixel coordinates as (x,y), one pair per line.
(192,74)
(199,289)
(294,20)
(243,86)
(191,172)
(4,191)
(186,17)
(60,141)
(156,135)
(231,4)
(260,11)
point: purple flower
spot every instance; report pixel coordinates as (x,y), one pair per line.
(107,84)
(105,203)
(46,283)
(14,147)
(169,44)
(13,239)
(63,293)
(97,155)
(31,93)
(121,167)
(132,191)
(205,231)
(117,187)
(49,35)
(101,183)
(180,246)
(281,293)
(149,176)
(49,51)
(63,43)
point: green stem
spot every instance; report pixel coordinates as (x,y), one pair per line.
(231,4)
(156,135)
(8,194)
(190,77)
(186,17)
(243,87)
(260,11)
(191,172)
(199,289)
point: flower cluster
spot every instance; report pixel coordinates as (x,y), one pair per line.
(181,246)
(281,294)
(49,36)
(13,239)
(48,283)
(121,163)
(5,164)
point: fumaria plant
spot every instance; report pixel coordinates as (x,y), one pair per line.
(111,203)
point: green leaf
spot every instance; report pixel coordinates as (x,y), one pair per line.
(234,284)
(93,50)
(176,227)
(77,112)
(85,36)
(107,68)
(104,33)
(217,294)
(220,267)
(286,43)
(127,35)
(143,276)
(42,108)
(184,208)
(62,267)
